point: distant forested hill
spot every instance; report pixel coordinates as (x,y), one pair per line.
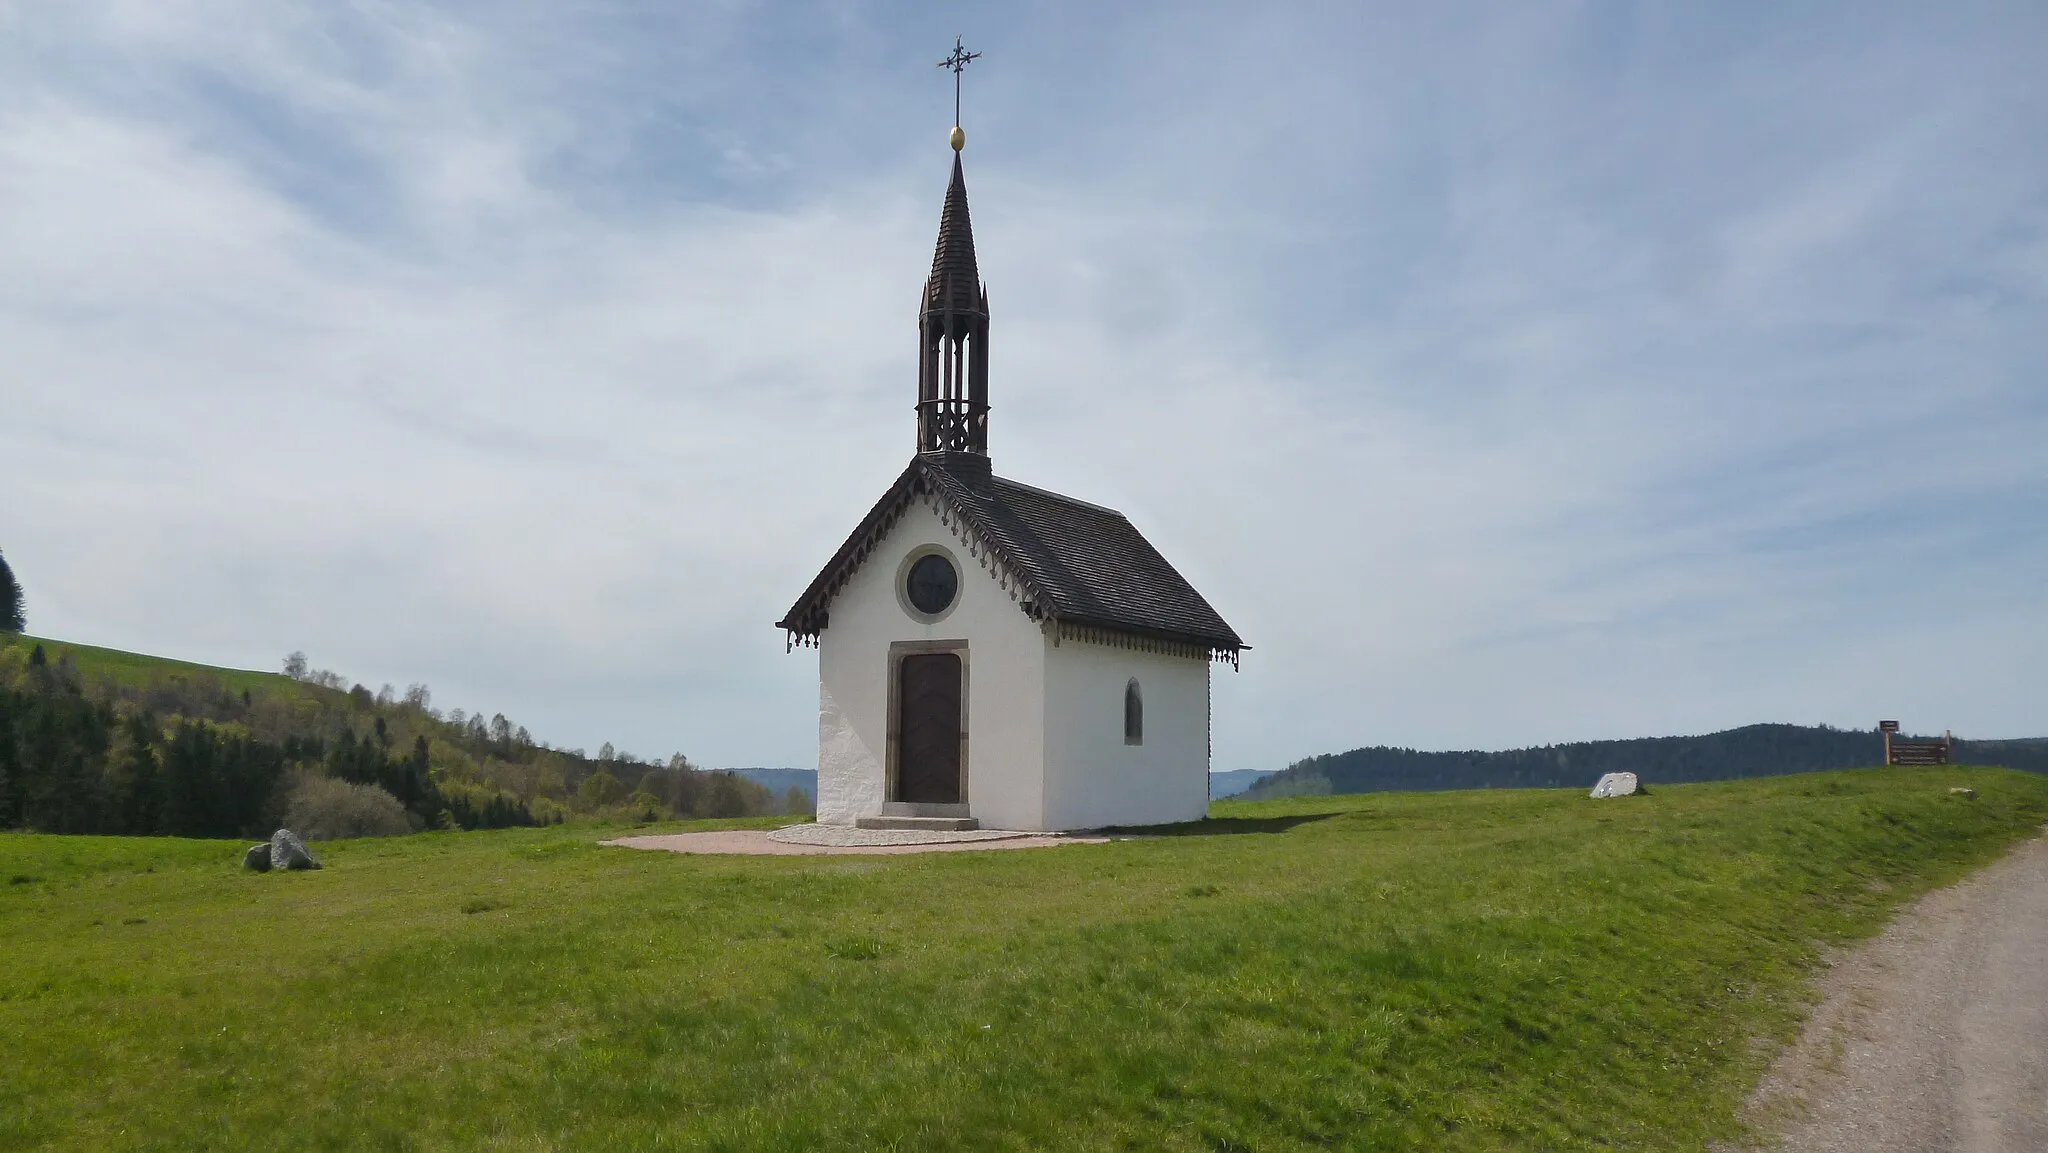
(1750,751)
(1232,782)
(781,781)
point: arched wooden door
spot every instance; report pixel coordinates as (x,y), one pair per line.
(928,712)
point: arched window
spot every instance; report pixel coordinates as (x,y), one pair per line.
(1134,714)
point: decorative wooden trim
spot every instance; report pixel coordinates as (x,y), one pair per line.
(802,630)
(1061,630)
(981,548)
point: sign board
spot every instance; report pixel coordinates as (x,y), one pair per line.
(1888,726)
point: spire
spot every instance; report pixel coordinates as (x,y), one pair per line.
(955,283)
(952,326)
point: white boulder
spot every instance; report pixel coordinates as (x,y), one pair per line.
(1615,785)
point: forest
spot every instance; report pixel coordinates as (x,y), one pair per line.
(1750,751)
(93,741)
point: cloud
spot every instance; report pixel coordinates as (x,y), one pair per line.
(1500,377)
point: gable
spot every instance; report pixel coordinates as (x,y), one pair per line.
(1072,564)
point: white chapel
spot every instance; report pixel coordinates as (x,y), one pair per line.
(991,654)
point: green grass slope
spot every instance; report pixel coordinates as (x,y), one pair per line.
(136,670)
(1490,970)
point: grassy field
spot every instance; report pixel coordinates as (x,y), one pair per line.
(1488,970)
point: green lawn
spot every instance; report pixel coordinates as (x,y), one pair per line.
(1523,970)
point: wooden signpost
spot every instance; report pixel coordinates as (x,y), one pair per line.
(1904,752)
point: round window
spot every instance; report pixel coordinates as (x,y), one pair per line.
(931,584)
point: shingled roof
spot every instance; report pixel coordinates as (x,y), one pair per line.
(1075,565)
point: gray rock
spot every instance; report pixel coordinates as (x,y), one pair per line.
(257,858)
(287,851)
(1615,785)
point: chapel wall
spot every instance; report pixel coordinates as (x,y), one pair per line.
(1094,779)
(1005,674)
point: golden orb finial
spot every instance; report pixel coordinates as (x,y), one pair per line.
(957,137)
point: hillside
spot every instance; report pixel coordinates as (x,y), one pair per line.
(96,740)
(1751,751)
(1464,971)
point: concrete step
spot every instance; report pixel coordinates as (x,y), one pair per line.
(934,824)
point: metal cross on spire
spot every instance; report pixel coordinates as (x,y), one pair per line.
(958,63)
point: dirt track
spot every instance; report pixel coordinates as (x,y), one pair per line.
(1935,1035)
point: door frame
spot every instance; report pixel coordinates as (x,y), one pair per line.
(897,651)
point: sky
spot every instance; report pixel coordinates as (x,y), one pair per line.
(1504,374)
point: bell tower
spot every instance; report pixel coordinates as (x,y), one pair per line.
(952,335)
(952,325)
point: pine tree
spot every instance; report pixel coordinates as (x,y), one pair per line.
(13,616)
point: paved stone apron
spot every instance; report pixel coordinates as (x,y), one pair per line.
(832,840)
(845,836)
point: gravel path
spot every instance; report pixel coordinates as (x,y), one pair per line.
(1935,1035)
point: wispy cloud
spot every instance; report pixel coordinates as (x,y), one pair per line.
(1503,375)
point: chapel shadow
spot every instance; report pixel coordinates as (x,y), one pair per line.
(1222,826)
